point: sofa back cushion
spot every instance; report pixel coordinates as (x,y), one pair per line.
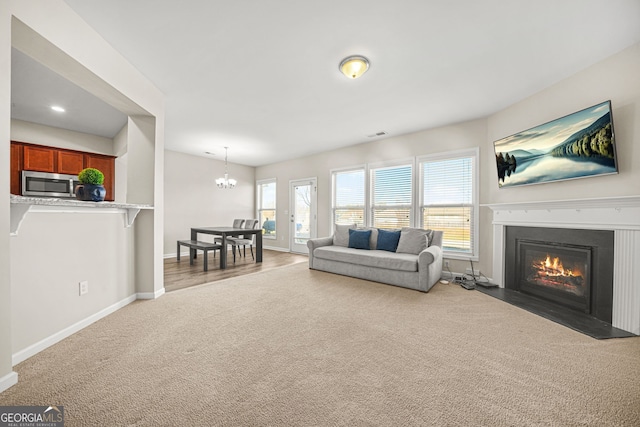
(413,240)
(388,240)
(341,234)
(373,241)
(359,239)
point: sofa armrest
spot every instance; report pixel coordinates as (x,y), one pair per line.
(430,267)
(312,244)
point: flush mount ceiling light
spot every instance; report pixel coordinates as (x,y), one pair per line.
(226,182)
(57,108)
(354,66)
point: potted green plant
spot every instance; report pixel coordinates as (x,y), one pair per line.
(90,188)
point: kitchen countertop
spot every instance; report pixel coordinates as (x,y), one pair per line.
(21,206)
(49,201)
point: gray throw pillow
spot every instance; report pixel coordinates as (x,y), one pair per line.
(341,234)
(413,240)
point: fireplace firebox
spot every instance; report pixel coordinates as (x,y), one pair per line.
(567,267)
(558,272)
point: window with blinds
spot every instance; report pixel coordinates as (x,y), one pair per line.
(266,203)
(391,196)
(348,197)
(448,193)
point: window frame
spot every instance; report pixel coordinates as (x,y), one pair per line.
(333,173)
(372,167)
(473,154)
(259,208)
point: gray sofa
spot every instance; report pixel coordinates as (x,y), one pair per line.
(419,270)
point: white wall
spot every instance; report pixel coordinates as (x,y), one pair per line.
(448,138)
(7,376)
(615,78)
(46,271)
(193,200)
(61,138)
(50,32)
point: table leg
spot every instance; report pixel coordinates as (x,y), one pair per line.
(259,247)
(192,252)
(223,252)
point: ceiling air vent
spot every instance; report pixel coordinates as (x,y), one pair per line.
(381,133)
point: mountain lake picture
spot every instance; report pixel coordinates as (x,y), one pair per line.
(578,145)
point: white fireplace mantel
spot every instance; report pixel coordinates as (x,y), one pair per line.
(618,214)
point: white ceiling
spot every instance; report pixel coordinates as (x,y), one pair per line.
(35,89)
(262,76)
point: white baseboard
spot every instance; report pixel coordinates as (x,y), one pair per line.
(150,295)
(8,380)
(32,350)
(275,248)
(184,254)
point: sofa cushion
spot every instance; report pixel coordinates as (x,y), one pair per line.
(372,258)
(341,234)
(388,240)
(359,239)
(373,241)
(413,240)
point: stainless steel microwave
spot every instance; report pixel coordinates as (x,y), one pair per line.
(47,184)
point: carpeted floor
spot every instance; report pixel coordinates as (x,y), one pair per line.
(294,347)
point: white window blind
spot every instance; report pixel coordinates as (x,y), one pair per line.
(267,207)
(448,201)
(391,196)
(348,197)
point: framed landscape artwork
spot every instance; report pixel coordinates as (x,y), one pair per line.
(579,145)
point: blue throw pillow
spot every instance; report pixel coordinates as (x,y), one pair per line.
(388,240)
(359,239)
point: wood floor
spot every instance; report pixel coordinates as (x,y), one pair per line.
(180,275)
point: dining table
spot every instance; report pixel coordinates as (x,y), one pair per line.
(224,232)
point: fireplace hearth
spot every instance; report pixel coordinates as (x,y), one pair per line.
(565,275)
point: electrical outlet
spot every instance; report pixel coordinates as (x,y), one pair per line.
(83,287)
(477,272)
(446,263)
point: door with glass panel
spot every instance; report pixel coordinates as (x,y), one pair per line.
(303,214)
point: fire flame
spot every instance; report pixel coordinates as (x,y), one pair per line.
(554,267)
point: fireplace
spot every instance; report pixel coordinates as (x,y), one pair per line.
(567,267)
(619,217)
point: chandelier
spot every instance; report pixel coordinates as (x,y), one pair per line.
(226,182)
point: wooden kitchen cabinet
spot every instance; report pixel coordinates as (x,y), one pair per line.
(70,162)
(106,165)
(25,156)
(16,168)
(38,158)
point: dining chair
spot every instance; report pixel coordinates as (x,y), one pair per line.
(237,223)
(244,240)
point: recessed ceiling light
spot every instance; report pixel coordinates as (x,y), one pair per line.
(58,108)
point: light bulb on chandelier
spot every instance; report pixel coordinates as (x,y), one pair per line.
(226,182)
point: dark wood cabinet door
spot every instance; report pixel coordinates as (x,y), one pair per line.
(40,159)
(106,165)
(16,168)
(70,162)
